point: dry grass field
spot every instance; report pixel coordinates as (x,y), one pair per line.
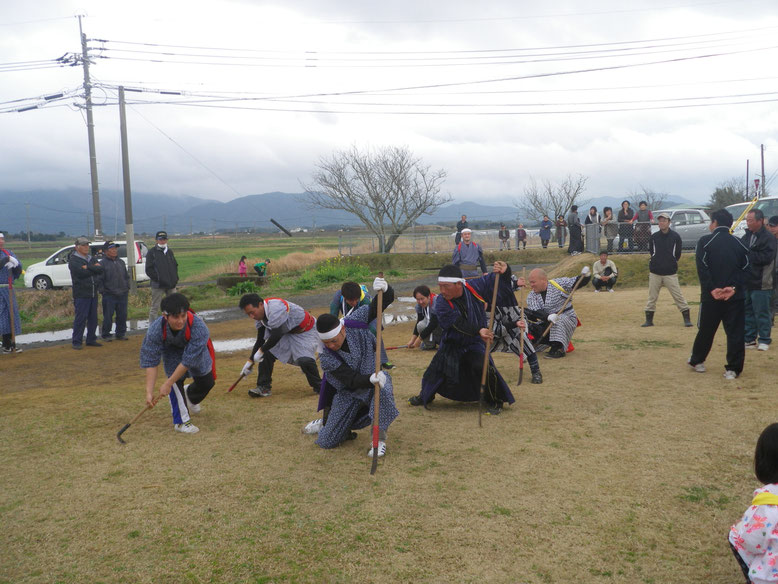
(624,466)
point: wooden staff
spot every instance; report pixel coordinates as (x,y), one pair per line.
(567,301)
(11,300)
(522,331)
(488,347)
(377,386)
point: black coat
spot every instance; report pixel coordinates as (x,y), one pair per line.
(85,276)
(761,258)
(115,280)
(665,251)
(162,268)
(722,261)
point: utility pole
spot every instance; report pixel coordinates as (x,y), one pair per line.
(29,243)
(747,198)
(90,130)
(762,146)
(164,221)
(129,226)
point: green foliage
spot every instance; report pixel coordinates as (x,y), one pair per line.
(728,193)
(247,287)
(332,271)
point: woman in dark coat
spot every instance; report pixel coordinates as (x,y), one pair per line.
(626,214)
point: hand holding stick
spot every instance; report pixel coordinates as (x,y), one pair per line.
(521,340)
(377,386)
(488,341)
(567,301)
(135,419)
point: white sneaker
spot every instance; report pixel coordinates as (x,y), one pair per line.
(596,291)
(186,428)
(751,345)
(314,426)
(762,347)
(699,367)
(730,375)
(193,408)
(381,449)
(611,290)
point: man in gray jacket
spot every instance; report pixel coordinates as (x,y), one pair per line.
(115,286)
(162,270)
(761,246)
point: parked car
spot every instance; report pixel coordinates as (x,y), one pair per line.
(690,224)
(768,206)
(53,272)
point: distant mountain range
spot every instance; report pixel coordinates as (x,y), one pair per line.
(70,211)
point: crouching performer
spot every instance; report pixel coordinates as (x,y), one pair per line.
(508,326)
(545,301)
(182,340)
(348,361)
(455,370)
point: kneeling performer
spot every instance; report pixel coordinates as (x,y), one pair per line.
(455,370)
(348,362)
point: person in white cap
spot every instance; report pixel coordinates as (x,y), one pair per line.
(469,256)
(85,273)
(348,361)
(10,270)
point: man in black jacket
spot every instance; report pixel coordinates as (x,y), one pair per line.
(114,286)
(162,270)
(722,262)
(85,273)
(759,281)
(665,249)
(461,224)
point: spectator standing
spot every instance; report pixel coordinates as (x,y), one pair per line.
(85,274)
(545,231)
(574,226)
(115,287)
(593,229)
(242,272)
(561,232)
(610,227)
(505,237)
(665,249)
(10,269)
(469,256)
(626,230)
(759,281)
(521,237)
(604,273)
(722,261)
(642,221)
(162,270)
(461,224)
(772,227)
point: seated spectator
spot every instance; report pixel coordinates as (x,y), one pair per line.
(604,273)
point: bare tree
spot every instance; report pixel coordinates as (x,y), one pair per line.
(654,199)
(729,192)
(549,198)
(388,190)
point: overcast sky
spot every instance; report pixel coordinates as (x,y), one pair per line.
(673,96)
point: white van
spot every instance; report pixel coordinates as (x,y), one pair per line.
(54,273)
(768,206)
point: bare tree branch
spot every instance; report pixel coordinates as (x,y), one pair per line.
(388,190)
(549,198)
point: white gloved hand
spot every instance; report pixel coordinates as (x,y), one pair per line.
(585,271)
(13,261)
(553,317)
(258,356)
(247,368)
(379,378)
(380,284)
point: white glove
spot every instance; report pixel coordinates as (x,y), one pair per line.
(247,368)
(379,378)
(380,284)
(13,261)
(585,271)
(553,317)
(258,356)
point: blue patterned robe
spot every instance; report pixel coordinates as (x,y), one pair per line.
(5,296)
(351,410)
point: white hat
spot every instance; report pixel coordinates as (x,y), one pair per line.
(467,230)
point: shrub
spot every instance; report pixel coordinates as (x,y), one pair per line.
(247,287)
(332,271)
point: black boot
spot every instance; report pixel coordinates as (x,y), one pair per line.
(649,319)
(537,377)
(687,321)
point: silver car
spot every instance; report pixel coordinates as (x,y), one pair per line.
(690,224)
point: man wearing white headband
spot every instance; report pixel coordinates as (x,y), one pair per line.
(285,332)
(10,270)
(469,256)
(348,391)
(455,370)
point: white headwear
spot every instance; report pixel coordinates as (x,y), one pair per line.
(331,334)
(467,230)
(450,279)
(2,236)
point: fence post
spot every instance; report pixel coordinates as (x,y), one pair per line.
(340,249)
(426,243)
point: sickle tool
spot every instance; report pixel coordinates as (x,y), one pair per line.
(135,419)
(488,347)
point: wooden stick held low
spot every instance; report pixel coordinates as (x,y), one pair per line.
(488,347)
(523,331)
(135,419)
(236,383)
(377,386)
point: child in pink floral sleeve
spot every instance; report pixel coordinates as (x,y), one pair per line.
(754,539)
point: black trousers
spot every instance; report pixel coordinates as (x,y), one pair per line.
(732,315)
(199,387)
(598,284)
(308,365)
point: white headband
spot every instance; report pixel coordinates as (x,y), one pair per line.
(452,280)
(2,236)
(331,334)
(466,230)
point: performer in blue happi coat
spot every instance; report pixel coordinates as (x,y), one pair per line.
(348,361)
(455,370)
(469,256)
(10,270)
